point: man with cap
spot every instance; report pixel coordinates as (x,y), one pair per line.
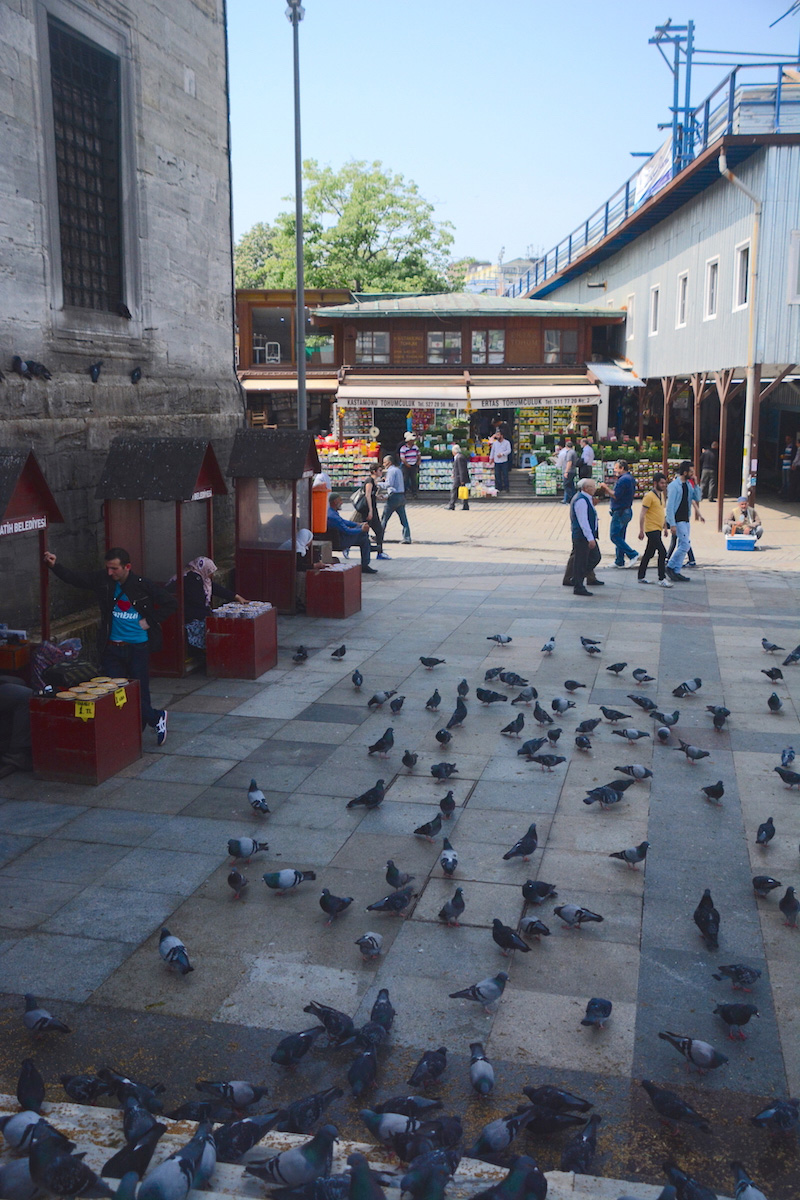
(409,463)
(744,519)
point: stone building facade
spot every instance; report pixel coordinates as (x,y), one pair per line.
(115,243)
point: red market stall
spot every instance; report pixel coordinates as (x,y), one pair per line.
(158,504)
(273,470)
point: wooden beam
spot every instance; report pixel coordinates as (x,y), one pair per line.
(751,490)
(698,385)
(778,379)
(723,380)
(668,388)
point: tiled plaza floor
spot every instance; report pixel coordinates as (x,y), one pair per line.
(89,875)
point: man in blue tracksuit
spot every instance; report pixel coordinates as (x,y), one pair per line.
(679,510)
(621,509)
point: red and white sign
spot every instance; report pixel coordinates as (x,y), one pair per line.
(23,525)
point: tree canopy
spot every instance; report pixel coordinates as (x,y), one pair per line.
(365,228)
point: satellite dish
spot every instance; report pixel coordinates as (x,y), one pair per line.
(374,432)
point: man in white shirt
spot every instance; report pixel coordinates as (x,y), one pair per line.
(499,453)
(396,498)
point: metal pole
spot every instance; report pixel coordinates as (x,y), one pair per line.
(295,13)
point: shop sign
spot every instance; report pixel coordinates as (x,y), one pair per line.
(204,494)
(406,404)
(23,525)
(537,402)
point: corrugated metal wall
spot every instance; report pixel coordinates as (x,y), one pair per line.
(710,226)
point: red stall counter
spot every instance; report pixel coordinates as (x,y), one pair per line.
(334,591)
(86,740)
(240,647)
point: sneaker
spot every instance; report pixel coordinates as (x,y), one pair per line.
(161,728)
(368,571)
(632,560)
(382,555)
(406,541)
(671,574)
(643,580)
(690,566)
(620,566)
(345,553)
(664,583)
(678,578)
(581,592)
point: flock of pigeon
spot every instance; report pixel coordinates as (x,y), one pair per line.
(412,1126)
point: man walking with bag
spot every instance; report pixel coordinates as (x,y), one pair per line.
(460,479)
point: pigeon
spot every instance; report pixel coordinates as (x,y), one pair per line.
(582,742)
(644,702)
(84,1089)
(613,714)
(333,905)
(449,858)
(779,1117)
(549,646)
(55,1171)
(636,771)
(790,907)
(453,908)
(300,1164)
(687,688)
(363,1070)
(430,663)
(693,753)
(774,674)
(500,639)
(792,658)
(597,1012)
(434,701)
(561,705)
(447,805)
(395,878)
(237,882)
(574,916)
(245,848)
(587,641)
(740,975)
(499,1134)
(632,856)
(686,1187)
(533,927)
(706,918)
(379,698)
(714,792)
(173,952)
(409,760)
(641,676)
(487,992)
(385,1125)
(505,937)
(300,655)
(295,1046)
(281,882)
(258,801)
(383,744)
(394,903)
(29,369)
(588,726)
(541,716)
(633,735)
(370,945)
(409,1106)
(340,653)
(488,697)
(357,679)
(136,374)
(526,696)
(697,1053)
(429,829)
(463,687)
(302,1115)
(514,728)
(510,679)
(553,734)
(770,647)
(123,1086)
(30,1087)
(443,770)
(672,1109)
(765,832)
(663,734)
(745,1188)
(668,719)
(20,1130)
(720,714)
(579,1151)
(383,1013)
(135,1156)
(459,713)
(787,756)
(492,673)
(525,847)
(790,778)
(443,736)
(617,668)
(430,1067)
(38,1020)
(338,1025)
(396,705)
(237,1093)
(371,798)
(774,703)
(605,796)
(592,649)
(572,685)
(764,884)
(735,1017)
(532,746)
(536,890)
(548,761)
(556,1099)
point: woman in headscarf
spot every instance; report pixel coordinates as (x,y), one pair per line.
(198,589)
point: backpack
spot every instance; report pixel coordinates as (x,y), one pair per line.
(358,499)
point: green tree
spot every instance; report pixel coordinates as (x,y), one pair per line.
(365,228)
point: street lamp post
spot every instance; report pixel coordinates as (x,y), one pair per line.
(295,13)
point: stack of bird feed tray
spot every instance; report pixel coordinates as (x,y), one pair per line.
(101,685)
(740,541)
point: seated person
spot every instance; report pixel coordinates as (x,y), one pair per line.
(350,534)
(198,588)
(744,519)
(15,723)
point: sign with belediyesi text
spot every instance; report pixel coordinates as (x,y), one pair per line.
(23,525)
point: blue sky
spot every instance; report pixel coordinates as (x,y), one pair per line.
(514,117)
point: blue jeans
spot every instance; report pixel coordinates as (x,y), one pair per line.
(360,539)
(501,476)
(396,503)
(131,660)
(620,520)
(675,561)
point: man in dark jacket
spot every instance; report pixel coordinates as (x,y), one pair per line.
(460,477)
(583,522)
(131,612)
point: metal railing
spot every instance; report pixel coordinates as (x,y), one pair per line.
(736,105)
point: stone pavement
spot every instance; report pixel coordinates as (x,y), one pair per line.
(89,875)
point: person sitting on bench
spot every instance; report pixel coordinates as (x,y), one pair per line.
(744,519)
(350,534)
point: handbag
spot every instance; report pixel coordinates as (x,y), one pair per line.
(358,499)
(70,673)
(463,492)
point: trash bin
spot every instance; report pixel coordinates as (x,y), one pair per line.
(320,494)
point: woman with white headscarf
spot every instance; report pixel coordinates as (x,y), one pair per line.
(198,589)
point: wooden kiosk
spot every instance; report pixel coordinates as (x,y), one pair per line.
(273,470)
(158,504)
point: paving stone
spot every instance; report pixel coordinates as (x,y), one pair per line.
(182,769)
(35,818)
(64,968)
(115,914)
(64,862)
(24,907)
(172,871)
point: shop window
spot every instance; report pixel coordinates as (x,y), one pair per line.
(488,346)
(272,335)
(372,347)
(741,276)
(444,347)
(319,348)
(682,301)
(655,301)
(561,346)
(711,289)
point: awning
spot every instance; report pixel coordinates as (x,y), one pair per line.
(614,375)
(540,394)
(272,383)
